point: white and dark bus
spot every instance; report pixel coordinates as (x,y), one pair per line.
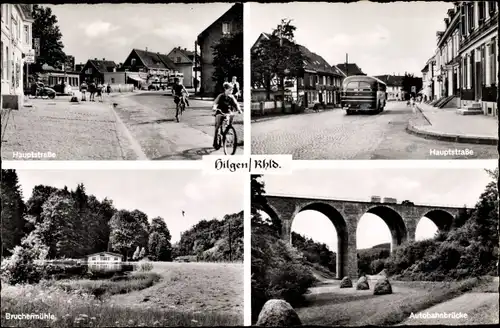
(363,93)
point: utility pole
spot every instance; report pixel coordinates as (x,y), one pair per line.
(346,67)
(195,82)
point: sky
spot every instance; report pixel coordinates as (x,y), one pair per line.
(447,187)
(163,193)
(381,38)
(111,31)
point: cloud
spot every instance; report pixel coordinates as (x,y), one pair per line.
(99,28)
(179,31)
(379,36)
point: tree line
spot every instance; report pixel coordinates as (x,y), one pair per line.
(73,224)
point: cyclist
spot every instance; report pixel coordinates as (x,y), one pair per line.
(180,94)
(223,105)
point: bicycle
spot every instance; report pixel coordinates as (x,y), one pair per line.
(226,134)
(180,108)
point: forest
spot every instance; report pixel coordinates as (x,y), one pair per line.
(72,224)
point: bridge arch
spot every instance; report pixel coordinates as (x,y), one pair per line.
(338,221)
(441,218)
(394,221)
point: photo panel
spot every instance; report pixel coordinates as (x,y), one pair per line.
(122,81)
(122,248)
(330,246)
(396,80)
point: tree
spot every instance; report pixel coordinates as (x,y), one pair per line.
(259,203)
(409,81)
(158,247)
(135,257)
(13,209)
(39,196)
(228,60)
(51,47)
(407,203)
(142,253)
(277,57)
(123,232)
(158,225)
(142,233)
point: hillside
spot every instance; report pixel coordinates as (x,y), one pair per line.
(316,255)
(214,240)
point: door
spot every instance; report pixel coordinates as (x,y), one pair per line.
(477,84)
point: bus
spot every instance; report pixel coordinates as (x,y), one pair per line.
(363,93)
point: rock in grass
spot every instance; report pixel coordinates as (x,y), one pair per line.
(362,283)
(346,283)
(382,287)
(278,313)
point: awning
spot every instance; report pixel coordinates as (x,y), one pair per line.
(135,77)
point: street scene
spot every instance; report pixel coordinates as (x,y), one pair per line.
(376,247)
(421,83)
(98,253)
(118,86)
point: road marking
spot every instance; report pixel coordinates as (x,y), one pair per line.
(133,143)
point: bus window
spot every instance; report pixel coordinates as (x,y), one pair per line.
(364,86)
(352,85)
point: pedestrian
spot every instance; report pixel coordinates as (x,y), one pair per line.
(108,89)
(236,87)
(92,90)
(83,89)
(99,90)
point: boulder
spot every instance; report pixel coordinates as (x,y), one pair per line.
(346,283)
(278,313)
(362,283)
(382,287)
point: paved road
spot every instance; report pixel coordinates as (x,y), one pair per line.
(332,135)
(150,118)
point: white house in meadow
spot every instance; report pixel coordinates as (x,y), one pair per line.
(104,258)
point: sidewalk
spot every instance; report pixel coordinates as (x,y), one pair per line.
(446,125)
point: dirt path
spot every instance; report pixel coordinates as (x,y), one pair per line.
(479,307)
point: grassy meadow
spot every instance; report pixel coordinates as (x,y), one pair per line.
(171,294)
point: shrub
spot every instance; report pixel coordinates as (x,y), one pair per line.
(21,267)
(145,266)
(377,265)
(64,271)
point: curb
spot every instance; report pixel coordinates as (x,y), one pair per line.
(451,137)
(263,118)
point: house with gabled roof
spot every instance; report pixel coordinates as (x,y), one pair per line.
(184,61)
(229,24)
(394,86)
(320,82)
(150,67)
(350,69)
(94,70)
(106,257)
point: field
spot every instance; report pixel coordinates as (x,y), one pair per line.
(187,294)
(328,305)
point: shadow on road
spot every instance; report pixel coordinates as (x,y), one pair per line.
(159,121)
(190,154)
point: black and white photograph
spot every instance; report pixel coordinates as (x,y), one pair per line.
(121,248)
(365,80)
(122,81)
(375,247)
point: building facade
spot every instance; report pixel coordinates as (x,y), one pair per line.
(106,257)
(350,69)
(394,86)
(150,68)
(184,61)
(16,41)
(479,55)
(466,58)
(94,70)
(427,91)
(229,24)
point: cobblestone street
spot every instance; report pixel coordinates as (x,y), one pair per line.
(332,135)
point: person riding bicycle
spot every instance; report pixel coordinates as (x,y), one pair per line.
(223,105)
(180,94)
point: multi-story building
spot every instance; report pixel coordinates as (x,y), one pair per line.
(394,86)
(478,51)
(16,43)
(465,73)
(319,82)
(150,68)
(427,79)
(184,61)
(95,69)
(229,24)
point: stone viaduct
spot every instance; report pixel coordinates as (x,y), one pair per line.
(345,215)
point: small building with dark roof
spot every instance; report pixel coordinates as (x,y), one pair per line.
(184,61)
(394,86)
(95,70)
(350,69)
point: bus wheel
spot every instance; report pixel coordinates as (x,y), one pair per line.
(348,112)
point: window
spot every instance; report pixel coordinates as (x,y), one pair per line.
(178,59)
(133,61)
(3,59)
(4,13)
(226,28)
(14,30)
(470,14)
(492,7)
(482,12)
(311,81)
(324,80)
(26,34)
(463,20)
(94,258)
(493,61)
(89,71)
(105,258)
(483,64)
(112,80)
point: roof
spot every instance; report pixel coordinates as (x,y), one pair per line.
(111,253)
(363,78)
(391,80)
(154,59)
(27,10)
(103,65)
(315,62)
(350,69)
(236,9)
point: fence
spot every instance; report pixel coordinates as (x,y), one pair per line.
(274,107)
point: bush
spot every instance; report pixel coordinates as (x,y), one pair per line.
(377,265)
(64,271)
(145,266)
(21,267)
